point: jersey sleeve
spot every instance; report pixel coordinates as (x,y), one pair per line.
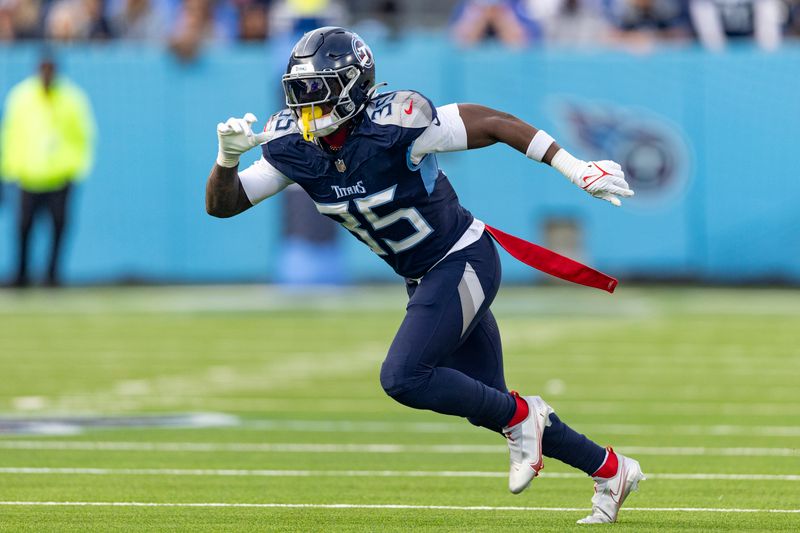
(285,150)
(447,134)
(281,124)
(402,115)
(262,180)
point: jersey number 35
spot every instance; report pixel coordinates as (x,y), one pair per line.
(365,206)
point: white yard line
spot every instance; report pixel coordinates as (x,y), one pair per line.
(704,451)
(710,430)
(447,427)
(291,447)
(133,395)
(364,473)
(386,506)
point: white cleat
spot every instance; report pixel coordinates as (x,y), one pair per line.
(610,494)
(525,444)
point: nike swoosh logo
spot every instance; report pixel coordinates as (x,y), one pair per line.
(622,476)
(410,107)
(594,178)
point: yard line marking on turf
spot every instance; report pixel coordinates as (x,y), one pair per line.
(444,427)
(715,430)
(252,473)
(290,447)
(386,506)
(705,451)
(363,473)
(734,477)
(336,426)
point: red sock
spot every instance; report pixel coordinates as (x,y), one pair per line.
(609,467)
(521,413)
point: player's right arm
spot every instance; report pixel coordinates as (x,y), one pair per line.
(485,126)
(470,126)
(230,192)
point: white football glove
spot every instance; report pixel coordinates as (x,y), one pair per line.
(236,137)
(601,179)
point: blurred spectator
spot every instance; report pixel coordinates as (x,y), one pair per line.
(717,21)
(6,21)
(388,13)
(292,18)
(99,26)
(77,20)
(20,19)
(200,22)
(382,22)
(139,20)
(793,26)
(65,22)
(253,20)
(505,20)
(46,143)
(574,23)
(640,24)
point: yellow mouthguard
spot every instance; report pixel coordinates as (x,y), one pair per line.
(305,115)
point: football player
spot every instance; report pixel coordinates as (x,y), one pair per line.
(368,160)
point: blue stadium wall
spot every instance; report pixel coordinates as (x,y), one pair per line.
(710,142)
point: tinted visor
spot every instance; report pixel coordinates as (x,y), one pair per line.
(312,90)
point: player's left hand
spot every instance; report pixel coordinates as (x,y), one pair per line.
(604,180)
(236,137)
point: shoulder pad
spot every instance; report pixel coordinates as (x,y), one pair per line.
(407,109)
(280,124)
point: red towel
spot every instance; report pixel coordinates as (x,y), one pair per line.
(552,263)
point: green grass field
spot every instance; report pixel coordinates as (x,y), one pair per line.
(702,386)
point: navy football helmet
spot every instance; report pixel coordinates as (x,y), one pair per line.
(329,79)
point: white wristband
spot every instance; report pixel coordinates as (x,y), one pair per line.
(539,144)
(568,165)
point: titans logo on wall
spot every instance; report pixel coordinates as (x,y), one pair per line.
(650,148)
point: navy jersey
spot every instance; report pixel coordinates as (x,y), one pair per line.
(406,213)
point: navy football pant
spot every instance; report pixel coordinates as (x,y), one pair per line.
(447,355)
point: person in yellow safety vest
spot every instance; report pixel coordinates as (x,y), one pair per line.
(46,144)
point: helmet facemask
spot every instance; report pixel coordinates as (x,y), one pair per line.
(321,100)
